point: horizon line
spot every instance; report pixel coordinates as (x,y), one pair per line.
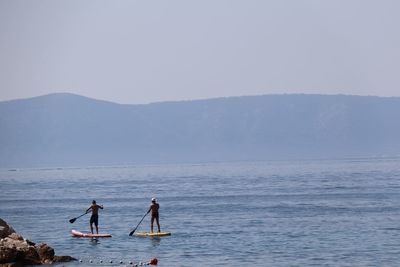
(190,100)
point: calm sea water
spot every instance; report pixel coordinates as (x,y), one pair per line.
(305,213)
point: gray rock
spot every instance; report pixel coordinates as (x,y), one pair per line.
(28,256)
(63,259)
(5,229)
(30,243)
(12,264)
(46,253)
(18,244)
(7,254)
(16,251)
(16,236)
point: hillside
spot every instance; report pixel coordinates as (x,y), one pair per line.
(70,130)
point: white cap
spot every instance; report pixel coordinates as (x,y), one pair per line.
(153,200)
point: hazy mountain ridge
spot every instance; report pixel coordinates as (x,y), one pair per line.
(66,129)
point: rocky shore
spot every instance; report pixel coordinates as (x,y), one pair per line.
(17,251)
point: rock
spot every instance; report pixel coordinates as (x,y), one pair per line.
(18,244)
(28,256)
(7,254)
(16,236)
(5,229)
(30,243)
(63,259)
(46,253)
(12,264)
(15,251)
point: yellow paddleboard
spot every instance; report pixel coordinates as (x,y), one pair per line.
(152,234)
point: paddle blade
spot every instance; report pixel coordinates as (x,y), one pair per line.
(72,220)
(131,233)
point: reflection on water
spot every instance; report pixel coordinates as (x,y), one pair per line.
(94,241)
(155,241)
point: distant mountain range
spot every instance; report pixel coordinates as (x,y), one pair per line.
(71,130)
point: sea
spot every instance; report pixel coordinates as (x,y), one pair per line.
(265,213)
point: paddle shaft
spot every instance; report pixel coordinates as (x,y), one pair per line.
(74,219)
(131,233)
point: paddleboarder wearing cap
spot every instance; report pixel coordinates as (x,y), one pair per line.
(154,206)
(94,219)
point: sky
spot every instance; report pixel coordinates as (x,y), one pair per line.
(150,51)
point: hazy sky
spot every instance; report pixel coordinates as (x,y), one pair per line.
(148,51)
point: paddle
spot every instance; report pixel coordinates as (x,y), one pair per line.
(131,233)
(74,219)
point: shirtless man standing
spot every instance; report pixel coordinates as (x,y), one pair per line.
(95,215)
(154,213)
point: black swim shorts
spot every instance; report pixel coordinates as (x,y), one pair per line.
(94,219)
